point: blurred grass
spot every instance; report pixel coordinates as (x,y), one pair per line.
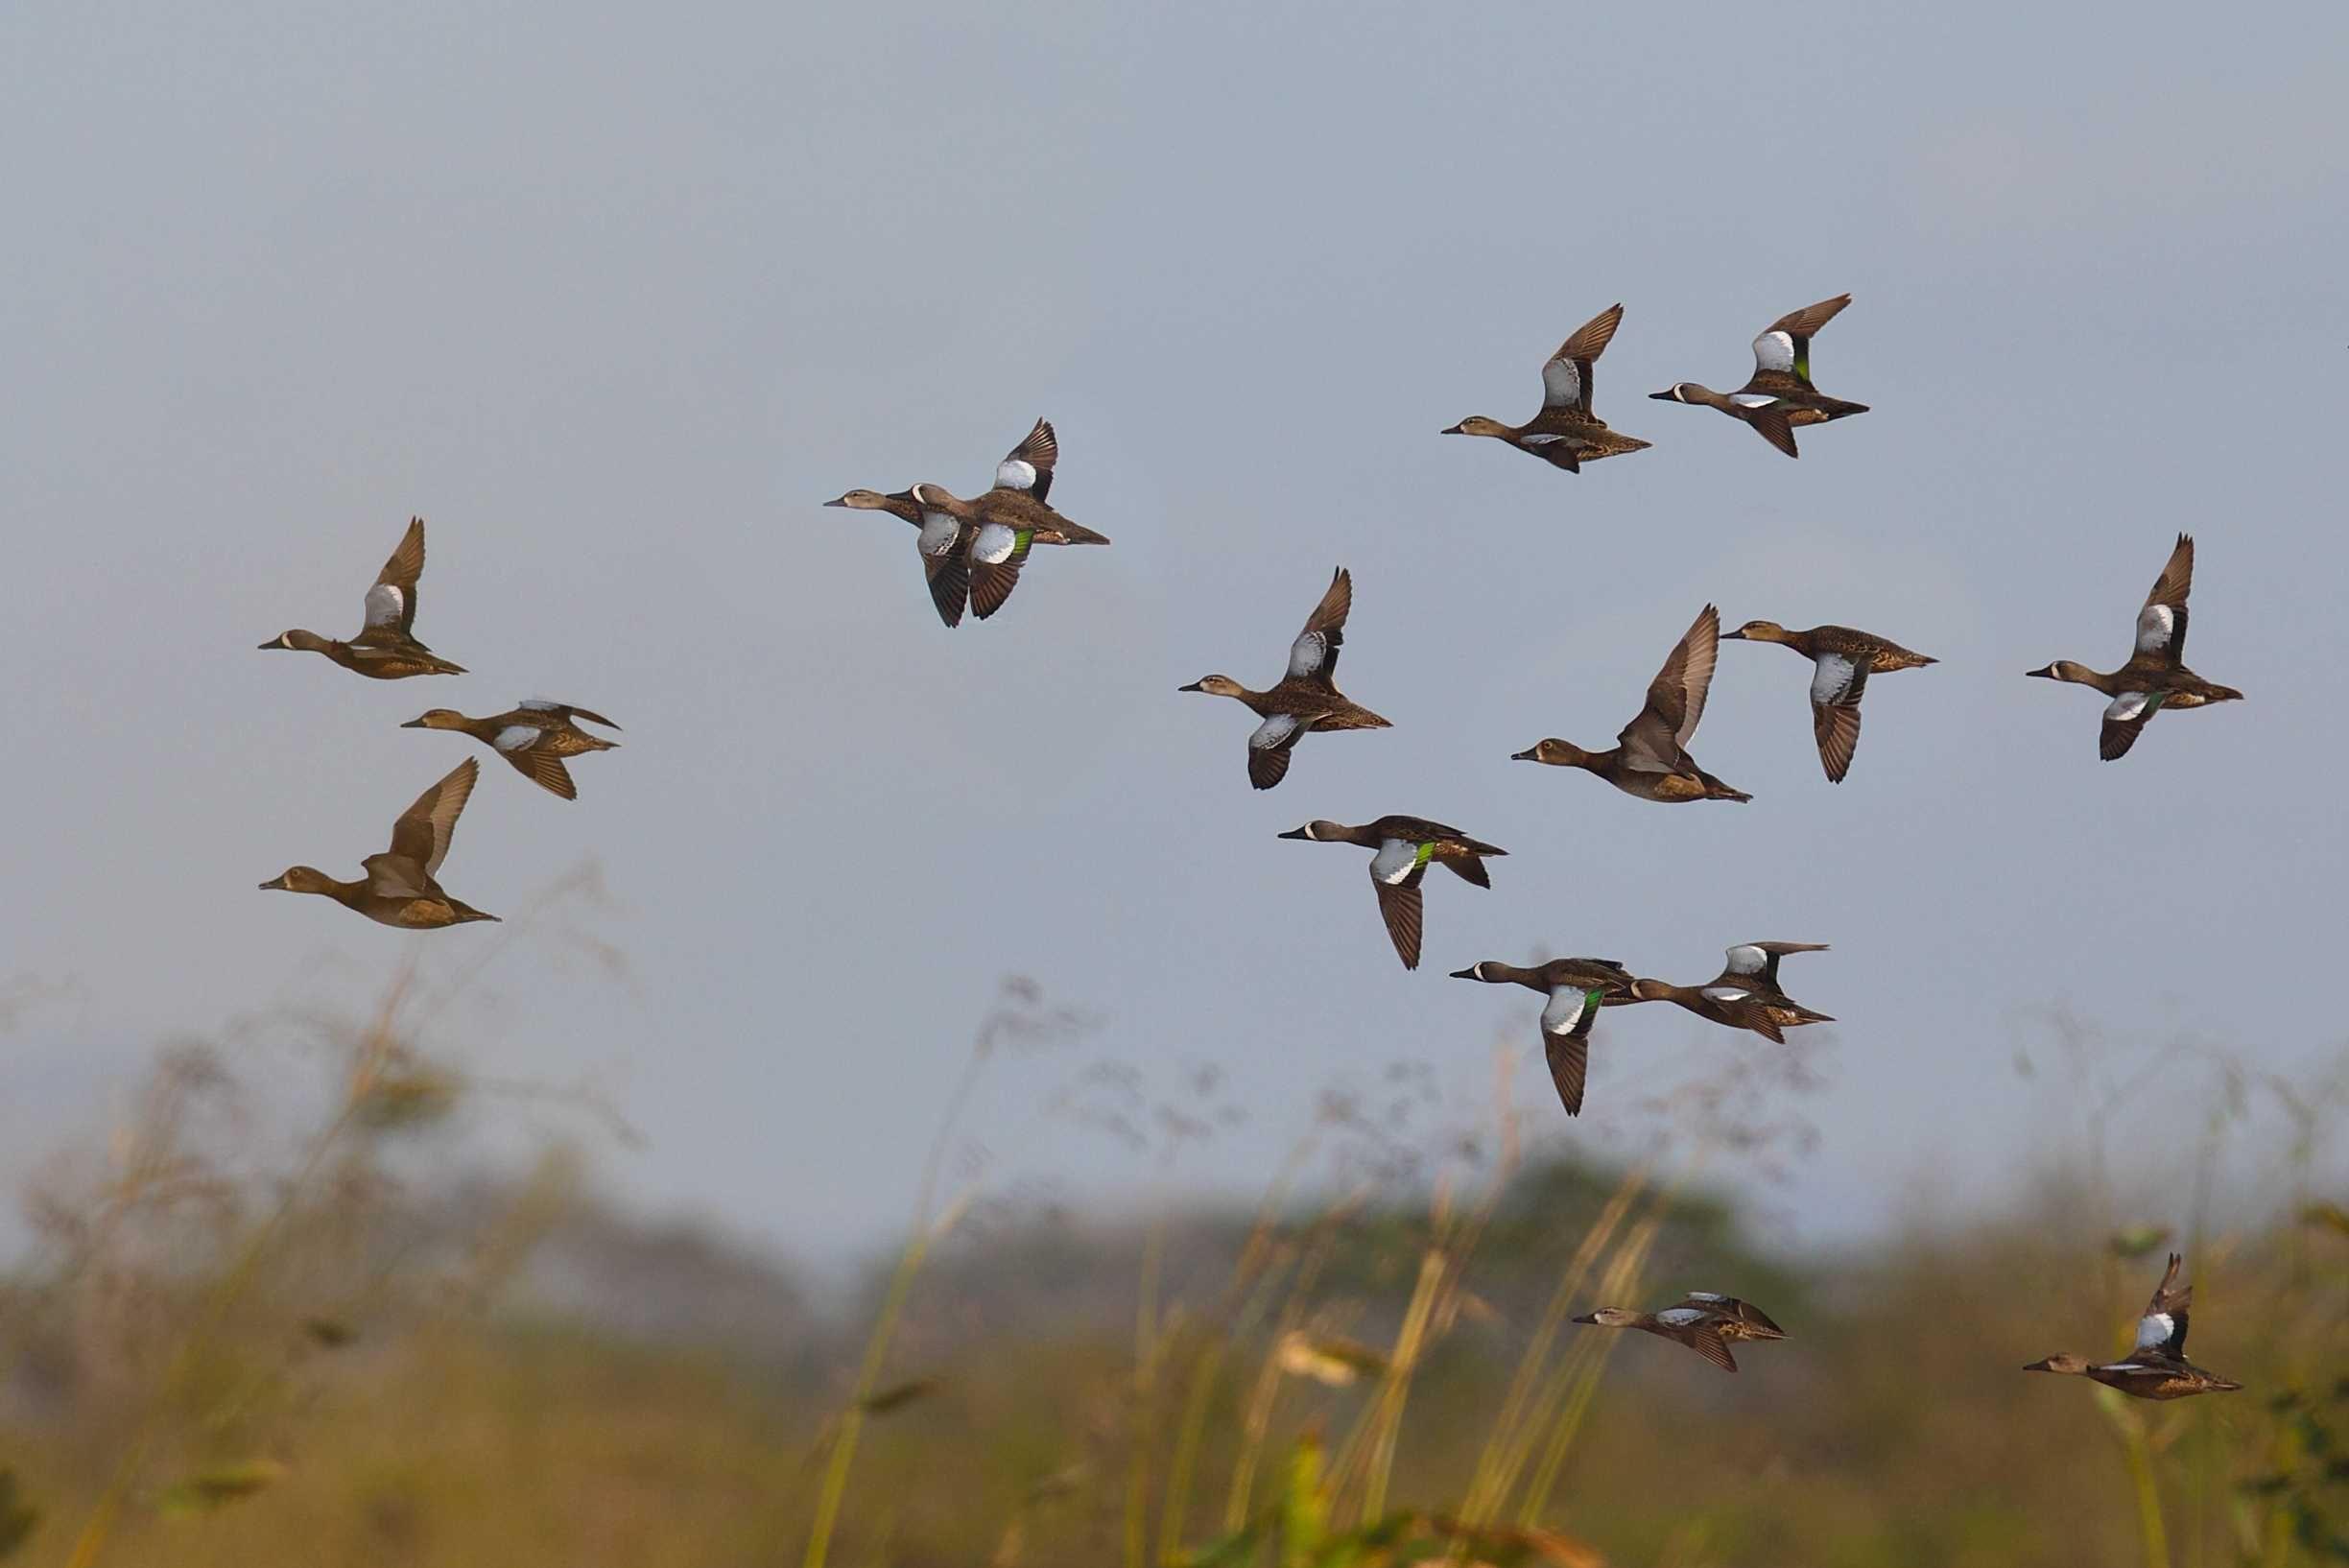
(206,1362)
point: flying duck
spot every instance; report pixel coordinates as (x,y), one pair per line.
(1307,697)
(1841,660)
(2155,676)
(1705,1322)
(1406,845)
(1649,757)
(385,648)
(536,735)
(1565,433)
(995,529)
(1577,988)
(2156,1367)
(398,888)
(1778,395)
(1751,974)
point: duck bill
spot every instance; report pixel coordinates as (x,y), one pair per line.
(2048,673)
(1661,397)
(1733,636)
(1194,686)
(1465,974)
(1526,755)
(2038,1367)
(273,642)
(413,724)
(1294,833)
(1451,430)
(276,883)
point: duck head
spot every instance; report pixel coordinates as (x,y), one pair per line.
(1318,831)
(437,719)
(300,879)
(1609,1317)
(1476,424)
(305,642)
(1651,990)
(1757,631)
(1683,392)
(1476,972)
(862,501)
(1215,687)
(1555,752)
(2075,1366)
(2065,670)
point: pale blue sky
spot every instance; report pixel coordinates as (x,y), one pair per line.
(616,298)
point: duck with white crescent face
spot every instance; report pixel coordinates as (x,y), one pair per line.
(1778,397)
(2155,675)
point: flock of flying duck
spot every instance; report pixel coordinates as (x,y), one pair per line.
(973,553)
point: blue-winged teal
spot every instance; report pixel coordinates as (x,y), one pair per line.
(1649,757)
(1307,697)
(996,530)
(398,888)
(2155,676)
(536,735)
(1577,988)
(385,648)
(1407,846)
(1730,1012)
(1705,1322)
(1565,433)
(2156,1367)
(1750,974)
(945,555)
(1778,397)
(1841,660)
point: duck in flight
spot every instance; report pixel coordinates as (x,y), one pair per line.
(1778,397)
(1407,846)
(1705,1322)
(385,648)
(1577,988)
(966,564)
(1565,433)
(1841,660)
(536,735)
(398,888)
(1750,974)
(1307,697)
(2155,676)
(994,531)
(2156,1367)
(1649,757)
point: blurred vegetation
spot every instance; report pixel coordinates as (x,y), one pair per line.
(234,1347)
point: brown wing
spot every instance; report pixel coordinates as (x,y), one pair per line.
(1038,450)
(2161,626)
(1729,1306)
(424,829)
(1467,867)
(1774,428)
(1801,324)
(545,770)
(1566,379)
(392,602)
(1677,697)
(1836,726)
(2169,1301)
(1707,1342)
(991,581)
(949,576)
(1399,905)
(1313,655)
(562,711)
(1269,765)
(1569,1065)
(2123,724)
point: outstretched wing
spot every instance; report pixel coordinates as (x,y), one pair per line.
(424,829)
(2161,626)
(1313,655)
(1268,749)
(1837,683)
(1566,379)
(1028,465)
(1784,347)
(1566,1028)
(563,710)
(392,602)
(1399,906)
(1677,697)
(2162,1330)
(2125,720)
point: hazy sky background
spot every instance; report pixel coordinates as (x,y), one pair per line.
(615,301)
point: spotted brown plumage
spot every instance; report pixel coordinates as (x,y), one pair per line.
(1704,1321)
(535,736)
(1750,972)
(1564,432)
(2156,1367)
(1778,397)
